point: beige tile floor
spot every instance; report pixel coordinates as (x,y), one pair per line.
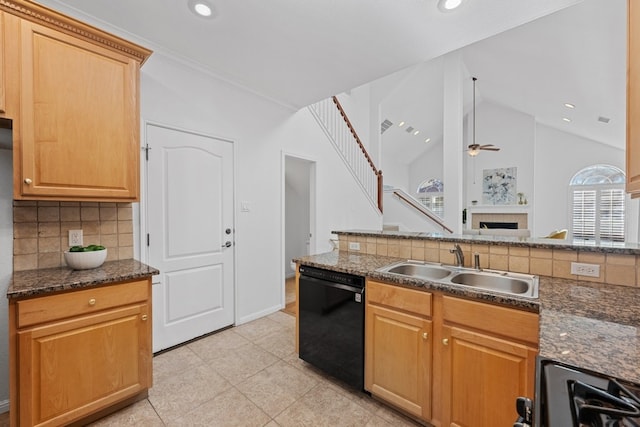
(249,375)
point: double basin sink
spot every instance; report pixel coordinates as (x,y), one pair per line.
(523,285)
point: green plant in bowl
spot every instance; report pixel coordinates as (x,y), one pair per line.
(89,248)
(85,257)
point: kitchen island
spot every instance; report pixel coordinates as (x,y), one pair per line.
(79,342)
(586,324)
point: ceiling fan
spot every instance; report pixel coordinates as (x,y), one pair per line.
(474,148)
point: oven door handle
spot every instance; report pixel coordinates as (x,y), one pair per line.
(355,290)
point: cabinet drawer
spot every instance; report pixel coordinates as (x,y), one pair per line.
(60,306)
(411,300)
(508,322)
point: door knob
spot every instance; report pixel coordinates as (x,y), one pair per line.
(227,231)
(425,335)
(28,181)
(227,244)
(144,317)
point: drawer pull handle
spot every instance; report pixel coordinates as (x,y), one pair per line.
(425,335)
(144,317)
(92,301)
(445,341)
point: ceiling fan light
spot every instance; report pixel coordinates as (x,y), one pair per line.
(474,152)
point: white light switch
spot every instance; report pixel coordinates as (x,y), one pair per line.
(245,206)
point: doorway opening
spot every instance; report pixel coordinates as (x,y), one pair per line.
(299,198)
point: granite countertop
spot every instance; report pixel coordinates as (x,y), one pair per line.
(529,242)
(38,282)
(588,325)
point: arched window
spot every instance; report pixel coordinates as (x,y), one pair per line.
(597,199)
(431,194)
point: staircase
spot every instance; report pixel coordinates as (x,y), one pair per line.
(336,125)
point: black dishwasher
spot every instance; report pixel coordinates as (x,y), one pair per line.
(331,328)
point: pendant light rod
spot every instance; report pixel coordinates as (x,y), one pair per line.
(474,109)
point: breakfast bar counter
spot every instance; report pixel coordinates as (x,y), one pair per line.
(585,324)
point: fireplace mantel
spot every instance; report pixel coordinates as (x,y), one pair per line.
(510,209)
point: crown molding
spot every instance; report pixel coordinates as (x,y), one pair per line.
(42,15)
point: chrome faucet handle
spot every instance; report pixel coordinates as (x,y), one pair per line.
(476,261)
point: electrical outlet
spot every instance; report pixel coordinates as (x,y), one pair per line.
(581,269)
(75,237)
(354,246)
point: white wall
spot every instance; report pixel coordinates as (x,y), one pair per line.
(427,166)
(174,94)
(560,155)
(6,268)
(514,133)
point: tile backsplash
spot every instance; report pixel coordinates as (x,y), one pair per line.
(41,230)
(617,269)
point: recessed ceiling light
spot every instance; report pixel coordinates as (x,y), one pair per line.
(427,140)
(569,105)
(401,124)
(201,8)
(448,5)
(416,132)
(566,119)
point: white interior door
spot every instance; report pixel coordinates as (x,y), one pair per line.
(190,224)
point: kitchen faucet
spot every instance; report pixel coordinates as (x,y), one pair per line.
(457,250)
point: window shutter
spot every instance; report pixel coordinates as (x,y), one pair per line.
(611,208)
(584,214)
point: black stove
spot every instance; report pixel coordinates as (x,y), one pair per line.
(567,396)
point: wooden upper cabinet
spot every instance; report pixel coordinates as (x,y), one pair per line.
(76,133)
(3,83)
(633,99)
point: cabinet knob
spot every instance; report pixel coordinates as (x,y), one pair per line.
(144,317)
(445,341)
(92,301)
(425,335)
(28,181)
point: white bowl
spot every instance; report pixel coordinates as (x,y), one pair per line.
(85,260)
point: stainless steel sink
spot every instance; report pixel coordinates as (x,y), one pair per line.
(498,282)
(420,270)
(524,285)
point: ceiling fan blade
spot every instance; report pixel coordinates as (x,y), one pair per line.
(489,148)
(486,145)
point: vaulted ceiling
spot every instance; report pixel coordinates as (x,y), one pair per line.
(296,52)
(576,55)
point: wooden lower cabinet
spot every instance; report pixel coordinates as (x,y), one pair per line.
(68,367)
(398,347)
(488,359)
(447,360)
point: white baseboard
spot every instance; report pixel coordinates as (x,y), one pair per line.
(259,314)
(4,406)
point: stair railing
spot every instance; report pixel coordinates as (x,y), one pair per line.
(336,125)
(415,204)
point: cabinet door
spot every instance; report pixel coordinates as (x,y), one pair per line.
(79,119)
(633,100)
(398,359)
(482,376)
(2,64)
(72,368)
